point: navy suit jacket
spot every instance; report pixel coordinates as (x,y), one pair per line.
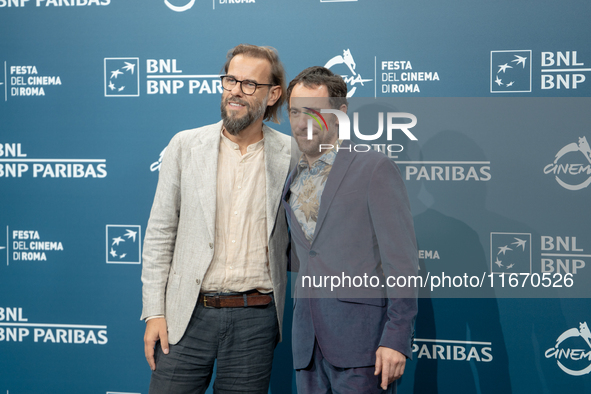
(364,226)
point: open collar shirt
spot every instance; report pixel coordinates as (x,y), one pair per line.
(240,261)
(306,190)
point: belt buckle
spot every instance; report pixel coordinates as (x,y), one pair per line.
(216,299)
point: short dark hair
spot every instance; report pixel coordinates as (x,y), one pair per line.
(318,76)
(272,113)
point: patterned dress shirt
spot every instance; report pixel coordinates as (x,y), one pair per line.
(306,190)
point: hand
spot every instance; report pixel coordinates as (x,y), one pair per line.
(155,330)
(390,363)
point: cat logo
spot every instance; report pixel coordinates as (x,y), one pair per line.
(156,165)
(351,80)
(570,352)
(579,175)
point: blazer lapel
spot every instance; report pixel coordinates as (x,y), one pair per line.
(294,226)
(337,173)
(286,190)
(204,158)
(277,158)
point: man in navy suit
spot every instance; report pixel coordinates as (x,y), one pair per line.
(349,216)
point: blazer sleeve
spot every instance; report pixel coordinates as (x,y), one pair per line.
(393,225)
(159,241)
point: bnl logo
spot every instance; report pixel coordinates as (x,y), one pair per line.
(510,253)
(510,71)
(124,244)
(122,77)
(562,70)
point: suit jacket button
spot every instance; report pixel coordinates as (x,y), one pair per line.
(210,245)
(313,253)
(198,281)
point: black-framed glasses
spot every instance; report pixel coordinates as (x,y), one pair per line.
(247,87)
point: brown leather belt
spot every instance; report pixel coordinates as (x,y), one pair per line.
(253,298)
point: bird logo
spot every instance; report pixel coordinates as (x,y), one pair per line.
(510,252)
(510,71)
(123,244)
(121,77)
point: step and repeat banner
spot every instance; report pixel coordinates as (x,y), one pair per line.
(91,92)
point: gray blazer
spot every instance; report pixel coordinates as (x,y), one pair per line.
(179,240)
(364,226)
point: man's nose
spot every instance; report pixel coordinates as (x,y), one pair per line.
(237,89)
(303,122)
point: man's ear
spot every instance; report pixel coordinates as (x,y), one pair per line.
(342,108)
(274,95)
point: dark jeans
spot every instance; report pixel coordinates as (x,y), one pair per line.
(321,377)
(241,339)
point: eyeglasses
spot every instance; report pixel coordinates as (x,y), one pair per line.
(247,87)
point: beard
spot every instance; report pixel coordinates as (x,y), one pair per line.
(234,124)
(312,147)
(321,136)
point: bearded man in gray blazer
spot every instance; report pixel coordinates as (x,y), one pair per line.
(214,256)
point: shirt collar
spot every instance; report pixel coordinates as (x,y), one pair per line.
(232,145)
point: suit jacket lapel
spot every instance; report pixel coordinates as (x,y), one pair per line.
(286,190)
(337,173)
(204,158)
(277,158)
